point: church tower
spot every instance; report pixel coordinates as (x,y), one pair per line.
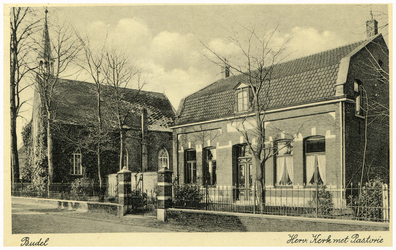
(44,75)
(45,60)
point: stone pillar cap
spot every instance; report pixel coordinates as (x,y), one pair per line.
(124,170)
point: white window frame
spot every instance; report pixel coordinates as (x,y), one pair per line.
(316,172)
(243,99)
(284,154)
(77,156)
(190,168)
(163,155)
(357,87)
(210,166)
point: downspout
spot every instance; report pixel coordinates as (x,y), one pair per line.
(176,151)
(340,91)
(342,151)
(177,158)
(144,145)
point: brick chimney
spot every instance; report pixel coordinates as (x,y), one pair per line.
(227,71)
(371,27)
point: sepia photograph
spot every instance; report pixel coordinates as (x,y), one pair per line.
(212,124)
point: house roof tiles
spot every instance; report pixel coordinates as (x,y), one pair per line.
(307,79)
(76,103)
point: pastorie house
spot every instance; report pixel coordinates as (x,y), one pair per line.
(317,120)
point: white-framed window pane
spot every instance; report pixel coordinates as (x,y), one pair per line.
(358,103)
(77,164)
(209,166)
(240,101)
(356,86)
(315,158)
(163,159)
(242,98)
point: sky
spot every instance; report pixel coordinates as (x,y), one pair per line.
(166,41)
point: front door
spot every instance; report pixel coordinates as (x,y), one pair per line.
(243,182)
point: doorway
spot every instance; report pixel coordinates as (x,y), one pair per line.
(242,173)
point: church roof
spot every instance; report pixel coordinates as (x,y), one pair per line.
(303,80)
(76,103)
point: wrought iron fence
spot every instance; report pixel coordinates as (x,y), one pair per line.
(64,191)
(369,203)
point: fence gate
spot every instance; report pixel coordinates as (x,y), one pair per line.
(138,201)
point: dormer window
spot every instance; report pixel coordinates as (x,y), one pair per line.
(243,97)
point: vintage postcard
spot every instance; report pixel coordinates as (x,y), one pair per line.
(160,124)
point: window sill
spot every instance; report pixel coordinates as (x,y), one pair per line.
(284,186)
(360,116)
(244,112)
(313,186)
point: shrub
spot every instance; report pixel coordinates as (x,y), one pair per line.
(325,203)
(28,191)
(368,204)
(187,196)
(81,188)
(139,199)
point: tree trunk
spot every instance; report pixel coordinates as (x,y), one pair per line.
(99,172)
(259,181)
(14,147)
(258,158)
(100,136)
(49,150)
(13,113)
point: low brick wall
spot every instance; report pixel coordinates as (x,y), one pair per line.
(103,207)
(80,206)
(272,223)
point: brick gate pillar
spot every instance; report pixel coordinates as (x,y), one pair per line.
(164,197)
(124,190)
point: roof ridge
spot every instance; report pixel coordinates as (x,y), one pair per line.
(290,61)
(325,51)
(146,91)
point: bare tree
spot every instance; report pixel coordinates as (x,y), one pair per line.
(376,108)
(118,72)
(91,63)
(22,27)
(56,58)
(256,61)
